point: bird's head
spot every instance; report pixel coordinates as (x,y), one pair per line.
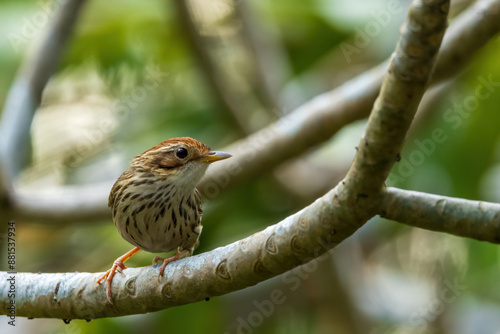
(181,160)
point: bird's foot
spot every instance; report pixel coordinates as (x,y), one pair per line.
(167,260)
(118,266)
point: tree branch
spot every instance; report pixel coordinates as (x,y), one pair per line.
(404,85)
(472,219)
(292,242)
(281,247)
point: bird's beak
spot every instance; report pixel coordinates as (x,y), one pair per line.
(213,156)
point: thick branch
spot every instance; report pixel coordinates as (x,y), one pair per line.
(472,219)
(294,241)
(410,69)
(279,248)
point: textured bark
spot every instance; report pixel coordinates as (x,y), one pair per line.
(473,219)
(281,247)
(296,240)
(409,72)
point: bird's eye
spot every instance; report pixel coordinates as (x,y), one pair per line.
(181,153)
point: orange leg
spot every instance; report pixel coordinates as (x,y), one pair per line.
(117,266)
(167,260)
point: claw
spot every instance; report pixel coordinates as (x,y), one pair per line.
(167,260)
(108,276)
(118,266)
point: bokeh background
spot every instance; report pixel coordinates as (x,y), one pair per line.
(269,57)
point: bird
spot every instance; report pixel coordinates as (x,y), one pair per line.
(155,204)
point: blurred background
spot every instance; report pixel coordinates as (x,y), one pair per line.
(133,75)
